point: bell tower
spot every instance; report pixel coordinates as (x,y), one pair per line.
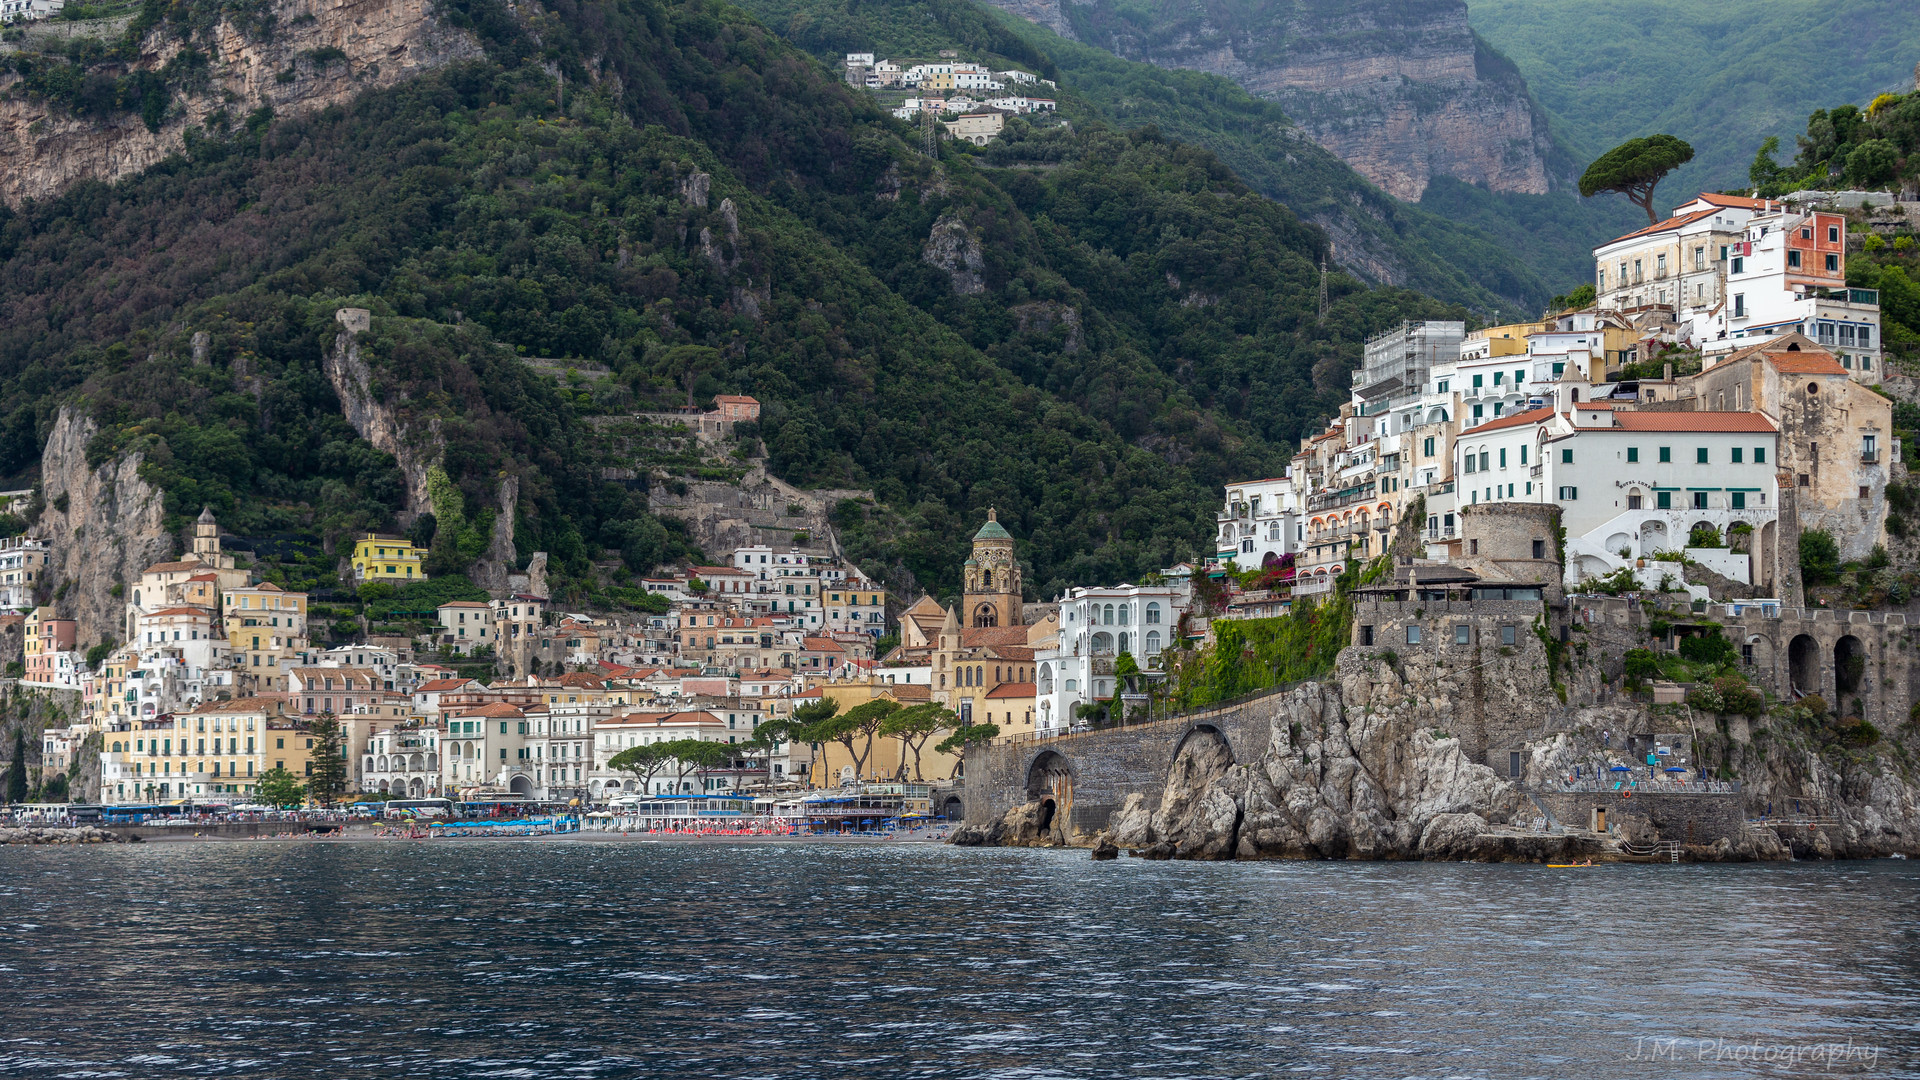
(206,536)
(992,578)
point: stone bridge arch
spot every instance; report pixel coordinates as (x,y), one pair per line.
(1050,784)
(1803,665)
(1202,740)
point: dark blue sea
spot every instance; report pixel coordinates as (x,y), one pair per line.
(585,960)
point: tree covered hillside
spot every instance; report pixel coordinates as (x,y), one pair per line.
(1090,330)
(1501,255)
(1721,74)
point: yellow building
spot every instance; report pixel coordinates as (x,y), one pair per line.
(265,625)
(216,752)
(833,764)
(386,558)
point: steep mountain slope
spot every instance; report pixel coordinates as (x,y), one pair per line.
(1371,233)
(1719,73)
(1399,89)
(1089,331)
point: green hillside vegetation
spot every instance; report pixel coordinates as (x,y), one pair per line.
(1500,255)
(1871,148)
(1144,328)
(1721,74)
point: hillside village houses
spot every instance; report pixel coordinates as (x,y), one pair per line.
(1759,423)
(1716,400)
(951,86)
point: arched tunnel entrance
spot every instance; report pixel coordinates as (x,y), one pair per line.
(1849,671)
(1050,785)
(1803,665)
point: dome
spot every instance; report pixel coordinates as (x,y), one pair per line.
(992,530)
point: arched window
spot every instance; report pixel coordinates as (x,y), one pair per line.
(1123,642)
(1126,614)
(1108,619)
(1153,643)
(986,579)
(980,676)
(1046,678)
(1103,644)
(1153,614)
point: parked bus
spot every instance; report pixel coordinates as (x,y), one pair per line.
(418,808)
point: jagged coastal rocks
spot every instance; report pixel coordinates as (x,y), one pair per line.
(84,834)
(1361,766)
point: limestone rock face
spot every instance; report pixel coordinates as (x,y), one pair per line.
(414,451)
(43,151)
(106,524)
(1402,91)
(951,246)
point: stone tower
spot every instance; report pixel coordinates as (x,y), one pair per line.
(992,578)
(206,537)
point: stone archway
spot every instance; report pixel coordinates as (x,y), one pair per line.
(521,785)
(1050,794)
(952,809)
(1849,669)
(1803,665)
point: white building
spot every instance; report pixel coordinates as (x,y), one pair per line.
(403,762)
(1261,518)
(17,10)
(1634,482)
(1096,626)
(466,625)
(24,563)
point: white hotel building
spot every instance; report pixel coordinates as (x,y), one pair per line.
(1630,481)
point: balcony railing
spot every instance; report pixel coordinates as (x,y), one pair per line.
(1870,457)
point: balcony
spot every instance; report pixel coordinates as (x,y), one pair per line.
(1870,457)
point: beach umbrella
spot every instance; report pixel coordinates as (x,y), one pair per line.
(1676,768)
(1620,768)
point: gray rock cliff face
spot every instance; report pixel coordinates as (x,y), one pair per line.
(44,150)
(1399,89)
(414,451)
(106,524)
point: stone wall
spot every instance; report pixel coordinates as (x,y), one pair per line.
(1104,766)
(1702,819)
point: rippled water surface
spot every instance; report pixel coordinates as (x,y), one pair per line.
(575,959)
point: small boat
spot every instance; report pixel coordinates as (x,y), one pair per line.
(1569,865)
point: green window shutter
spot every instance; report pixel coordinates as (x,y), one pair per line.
(1633,454)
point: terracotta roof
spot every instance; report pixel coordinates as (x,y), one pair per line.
(910,692)
(988,636)
(442,685)
(738,399)
(582,680)
(204,577)
(258,703)
(1012,690)
(1662,226)
(1739,201)
(171,567)
(1804,362)
(184,611)
(464,603)
(497,710)
(1012,652)
(265,586)
(710,571)
(1694,421)
(1519,419)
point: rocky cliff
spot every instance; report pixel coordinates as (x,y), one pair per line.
(1402,90)
(106,524)
(318,53)
(415,451)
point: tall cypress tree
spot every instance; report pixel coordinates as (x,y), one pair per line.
(329,776)
(17,772)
